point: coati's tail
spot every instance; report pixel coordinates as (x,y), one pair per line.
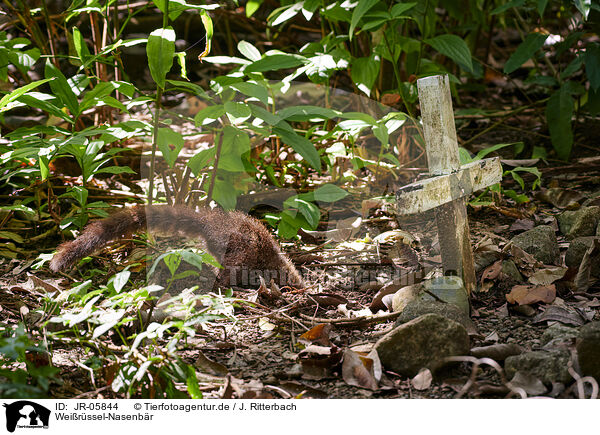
(97,234)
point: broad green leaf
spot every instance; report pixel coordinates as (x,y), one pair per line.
(329,193)
(237,112)
(559,112)
(249,51)
(45,102)
(253,90)
(80,46)
(160,50)
(61,88)
(300,144)
(506,6)
(399,8)
(252,6)
(364,72)
(453,47)
(235,146)
(209,114)
(532,43)
(361,9)
(592,65)
(225,194)
(265,115)
(284,13)
(275,62)
(541,6)
(307,113)
(192,88)
(201,160)
(170,144)
(14,95)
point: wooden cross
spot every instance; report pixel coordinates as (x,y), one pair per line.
(450,184)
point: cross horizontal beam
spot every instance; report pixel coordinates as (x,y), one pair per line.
(435,191)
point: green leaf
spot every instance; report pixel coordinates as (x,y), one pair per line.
(507,6)
(181,61)
(192,88)
(329,193)
(120,279)
(362,8)
(80,46)
(453,47)
(249,51)
(170,144)
(236,145)
(364,72)
(284,13)
(253,90)
(592,65)
(541,7)
(252,6)
(559,112)
(532,43)
(61,88)
(300,144)
(307,113)
(209,114)
(160,50)
(275,62)
(201,160)
(237,112)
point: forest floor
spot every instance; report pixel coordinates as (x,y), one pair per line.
(267,351)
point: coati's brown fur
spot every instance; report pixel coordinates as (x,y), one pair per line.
(239,242)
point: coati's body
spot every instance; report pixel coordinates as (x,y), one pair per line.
(241,244)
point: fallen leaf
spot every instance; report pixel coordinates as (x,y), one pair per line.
(548,275)
(530,294)
(422,380)
(317,335)
(357,370)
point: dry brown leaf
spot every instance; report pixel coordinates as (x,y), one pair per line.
(422,380)
(317,335)
(357,370)
(530,294)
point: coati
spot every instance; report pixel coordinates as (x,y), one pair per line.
(240,243)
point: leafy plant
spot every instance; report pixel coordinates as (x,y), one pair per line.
(17,349)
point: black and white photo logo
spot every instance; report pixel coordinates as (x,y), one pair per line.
(26,414)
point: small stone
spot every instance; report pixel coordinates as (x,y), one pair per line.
(588,349)
(509,268)
(576,251)
(417,308)
(540,242)
(546,365)
(423,342)
(558,335)
(579,223)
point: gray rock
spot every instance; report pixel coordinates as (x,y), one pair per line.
(540,242)
(575,253)
(449,289)
(588,349)
(579,223)
(417,308)
(558,336)
(509,268)
(422,342)
(546,365)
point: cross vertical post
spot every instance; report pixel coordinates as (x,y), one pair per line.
(450,183)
